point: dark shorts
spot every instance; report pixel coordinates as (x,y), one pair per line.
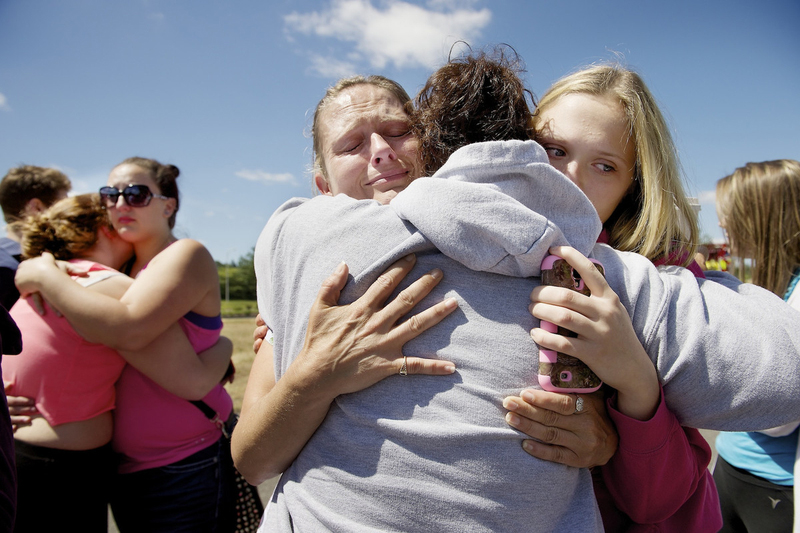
(750,503)
(63,489)
(193,495)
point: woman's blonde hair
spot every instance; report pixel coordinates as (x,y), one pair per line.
(759,207)
(67,229)
(655,217)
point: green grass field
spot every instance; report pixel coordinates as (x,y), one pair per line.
(239,308)
(240,331)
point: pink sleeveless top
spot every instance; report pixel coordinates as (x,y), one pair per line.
(153,427)
(69,378)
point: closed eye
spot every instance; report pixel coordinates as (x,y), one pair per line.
(398,132)
(348,147)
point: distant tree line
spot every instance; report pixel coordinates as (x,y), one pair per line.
(237,280)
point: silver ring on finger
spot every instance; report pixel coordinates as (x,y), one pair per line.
(404,368)
(578,404)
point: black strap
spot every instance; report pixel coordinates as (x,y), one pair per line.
(210,413)
(226,426)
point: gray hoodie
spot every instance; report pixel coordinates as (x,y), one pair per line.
(422,453)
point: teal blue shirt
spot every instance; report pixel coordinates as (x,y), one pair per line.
(771,458)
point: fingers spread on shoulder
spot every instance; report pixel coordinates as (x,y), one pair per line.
(332,286)
(382,288)
(431,367)
(424,320)
(413,294)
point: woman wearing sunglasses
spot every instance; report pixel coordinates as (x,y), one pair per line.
(63,455)
(172,473)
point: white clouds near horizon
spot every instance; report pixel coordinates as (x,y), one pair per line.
(4,103)
(266,177)
(707,197)
(398,33)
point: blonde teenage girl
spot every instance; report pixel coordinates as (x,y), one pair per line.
(173,474)
(759,208)
(603,129)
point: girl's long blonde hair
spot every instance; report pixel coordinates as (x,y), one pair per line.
(655,218)
(759,207)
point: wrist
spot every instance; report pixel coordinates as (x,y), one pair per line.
(640,401)
(307,379)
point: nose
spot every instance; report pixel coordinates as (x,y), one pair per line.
(121,203)
(572,171)
(380,150)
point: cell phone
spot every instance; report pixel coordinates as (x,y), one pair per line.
(560,372)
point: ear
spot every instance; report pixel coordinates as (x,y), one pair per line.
(322,184)
(169,208)
(34,207)
(109,232)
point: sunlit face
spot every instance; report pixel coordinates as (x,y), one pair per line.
(115,250)
(367,145)
(138,223)
(587,138)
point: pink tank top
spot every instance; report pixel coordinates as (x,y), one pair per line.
(153,427)
(70,379)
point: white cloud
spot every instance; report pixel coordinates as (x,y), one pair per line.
(707,197)
(330,67)
(266,177)
(4,103)
(397,33)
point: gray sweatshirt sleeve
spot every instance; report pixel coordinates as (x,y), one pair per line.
(727,352)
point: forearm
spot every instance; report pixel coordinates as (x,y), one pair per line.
(172,363)
(95,316)
(639,398)
(273,430)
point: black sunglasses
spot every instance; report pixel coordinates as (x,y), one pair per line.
(134,195)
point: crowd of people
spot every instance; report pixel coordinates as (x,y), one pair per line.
(394,386)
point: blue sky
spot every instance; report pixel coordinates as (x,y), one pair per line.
(225,90)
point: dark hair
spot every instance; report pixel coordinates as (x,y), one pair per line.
(67,229)
(476,98)
(26,182)
(165,176)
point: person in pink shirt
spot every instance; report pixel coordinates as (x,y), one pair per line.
(63,454)
(175,473)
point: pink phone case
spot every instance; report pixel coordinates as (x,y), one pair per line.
(559,372)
